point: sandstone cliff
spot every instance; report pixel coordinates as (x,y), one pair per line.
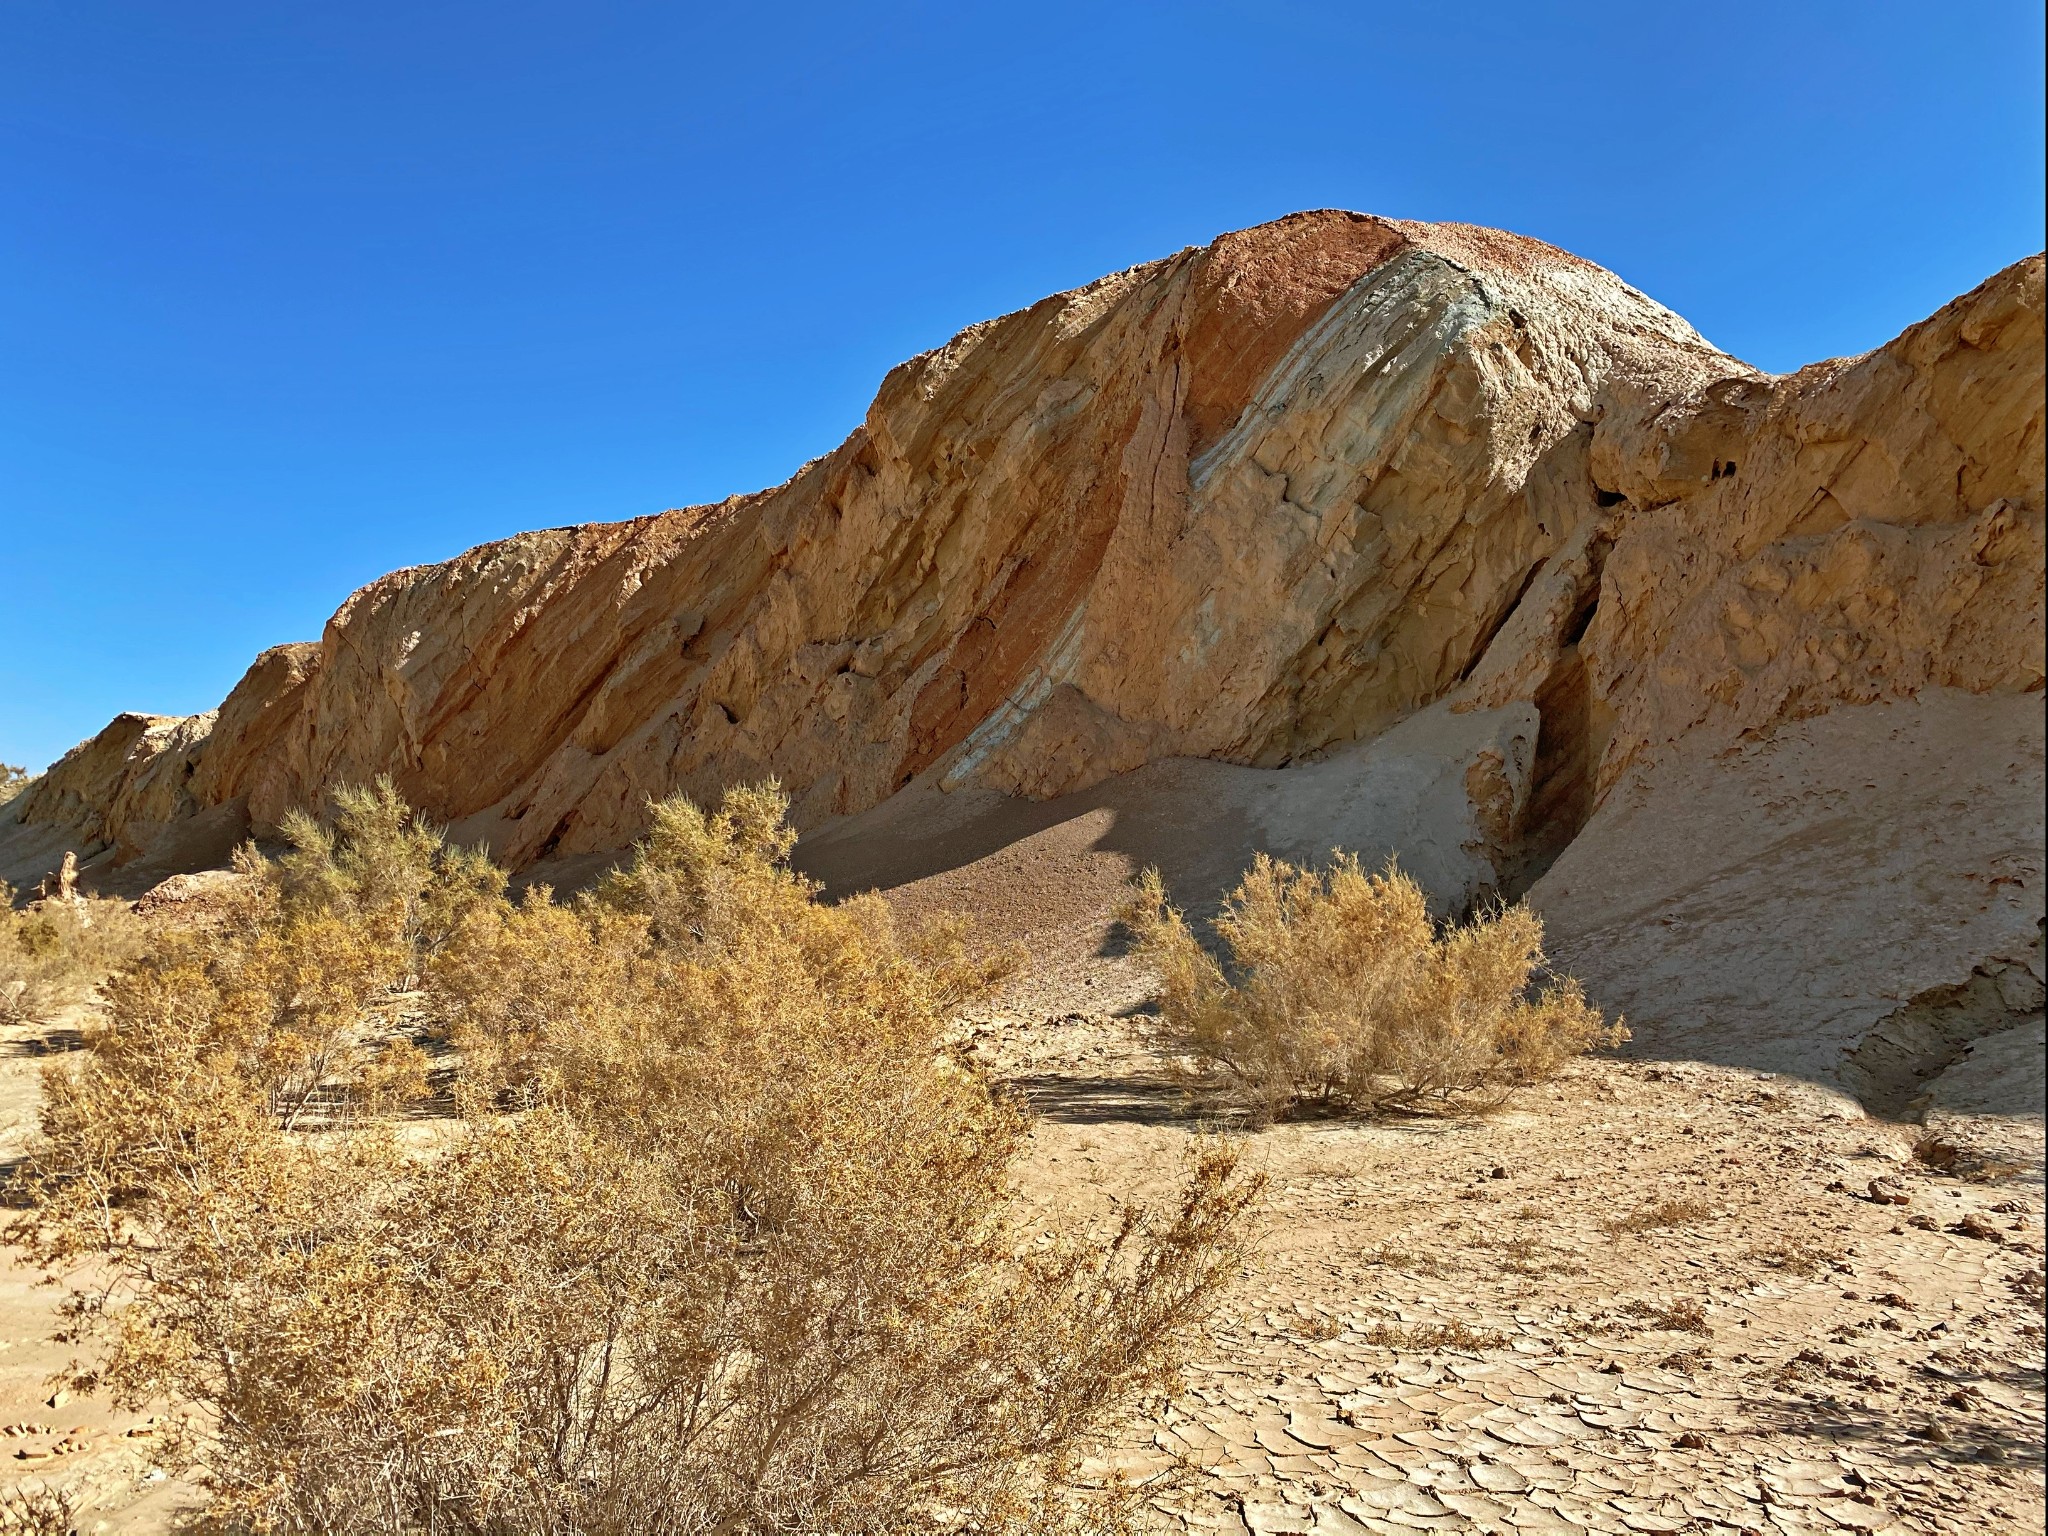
(1246,502)
(1488,551)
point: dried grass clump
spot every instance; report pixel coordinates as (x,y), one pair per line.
(1685,1315)
(717,1239)
(1342,993)
(1427,1338)
(53,953)
(1527,1256)
(1681,1211)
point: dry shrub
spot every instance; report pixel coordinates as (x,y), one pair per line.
(1341,992)
(1684,1315)
(718,1240)
(53,953)
(1426,1338)
(1681,1211)
(13,780)
(294,1005)
(37,1510)
(1386,1256)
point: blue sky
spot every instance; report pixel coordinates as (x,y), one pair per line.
(291,295)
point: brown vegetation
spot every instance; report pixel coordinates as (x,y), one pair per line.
(36,1512)
(715,1238)
(1684,1315)
(1341,992)
(55,952)
(1803,1259)
(1681,1211)
(1425,1338)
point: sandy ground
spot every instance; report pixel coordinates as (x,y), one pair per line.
(99,1456)
(1651,1296)
(1648,1297)
(1654,1295)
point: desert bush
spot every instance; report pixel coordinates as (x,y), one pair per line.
(53,953)
(718,1240)
(1341,992)
(381,871)
(1679,1211)
(37,1510)
(299,996)
(1528,1256)
(13,781)
(1795,1258)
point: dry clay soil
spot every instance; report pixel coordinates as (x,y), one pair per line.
(1653,1295)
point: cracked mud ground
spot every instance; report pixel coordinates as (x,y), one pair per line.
(1650,1296)
(1645,1297)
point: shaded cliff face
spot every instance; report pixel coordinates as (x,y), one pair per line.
(1256,502)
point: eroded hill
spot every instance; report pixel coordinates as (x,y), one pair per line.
(1417,539)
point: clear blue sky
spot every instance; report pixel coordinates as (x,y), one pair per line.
(292,294)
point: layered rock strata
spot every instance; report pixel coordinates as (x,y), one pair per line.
(1248,502)
(1493,555)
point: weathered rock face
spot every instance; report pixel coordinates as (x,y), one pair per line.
(1776,901)
(1861,531)
(1256,502)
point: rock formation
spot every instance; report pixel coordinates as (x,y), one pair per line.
(1502,564)
(1247,502)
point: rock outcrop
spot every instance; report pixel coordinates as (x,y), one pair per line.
(1493,555)
(1249,502)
